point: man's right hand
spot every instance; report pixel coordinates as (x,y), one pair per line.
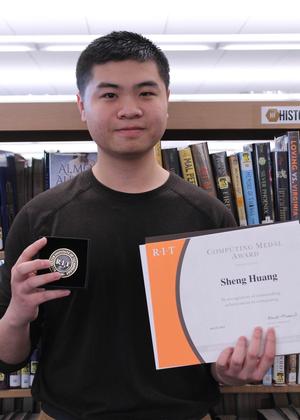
(27,287)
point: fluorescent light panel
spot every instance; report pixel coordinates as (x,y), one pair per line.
(167,42)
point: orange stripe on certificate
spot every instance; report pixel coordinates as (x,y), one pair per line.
(172,346)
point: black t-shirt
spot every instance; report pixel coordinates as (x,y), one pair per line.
(97,360)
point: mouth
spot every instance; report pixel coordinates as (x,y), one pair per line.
(130,131)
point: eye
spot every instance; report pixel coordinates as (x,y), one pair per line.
(109,95)
(147,93)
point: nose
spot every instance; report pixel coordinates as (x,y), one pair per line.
(129,109)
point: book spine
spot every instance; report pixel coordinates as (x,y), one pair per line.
(294,167)
(3,381)
(268,376)
(157,153)
(223,181)
(15,379)
(281,185)
(203,168)
(279,370)
(25,376)
(171,161)
(263,178)
(187,165)
(291,369)
(237,189)
(46,171)
(247,176)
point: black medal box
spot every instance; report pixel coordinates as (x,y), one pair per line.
(69,256)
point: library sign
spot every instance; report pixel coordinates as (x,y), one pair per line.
(280,114)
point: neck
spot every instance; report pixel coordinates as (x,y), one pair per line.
(130,175)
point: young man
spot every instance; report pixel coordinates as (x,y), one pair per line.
(97,360)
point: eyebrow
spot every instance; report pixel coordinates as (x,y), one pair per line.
(147,83)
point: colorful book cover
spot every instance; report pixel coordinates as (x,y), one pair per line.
(64,166)
(187,165)
(281,185)
(247,175)
(238,189)
(223,181)
(294,178)
(203,168)
(263,178)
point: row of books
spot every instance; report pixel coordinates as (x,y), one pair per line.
(285,371)
(22,378)
(259,184)
(21,180)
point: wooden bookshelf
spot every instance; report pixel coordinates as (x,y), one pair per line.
(15,393)
(260,389)
(245,389)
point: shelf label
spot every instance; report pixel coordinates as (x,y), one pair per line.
(280,114)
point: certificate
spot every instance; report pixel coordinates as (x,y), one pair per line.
(203,292)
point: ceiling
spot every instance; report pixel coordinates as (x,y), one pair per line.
(215,71)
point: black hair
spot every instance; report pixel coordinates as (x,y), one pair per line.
(120,46)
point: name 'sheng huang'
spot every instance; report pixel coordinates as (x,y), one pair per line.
(246,251)
(237,252)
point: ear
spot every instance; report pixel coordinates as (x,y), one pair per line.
(80,105)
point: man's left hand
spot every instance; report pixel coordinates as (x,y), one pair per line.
(243,363)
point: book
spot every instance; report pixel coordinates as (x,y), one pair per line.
(281,185)
(20,164)
(203,168)
(268,376)
(25,376)
(170,160)
(187,165)
(64,166)
(248,182)
(37,176)
(157,153)
(3,381)
(263,177)
(7,212)
(14,379)
(291,369)
(294,168)
(237,189)
(279,370)
(223,181)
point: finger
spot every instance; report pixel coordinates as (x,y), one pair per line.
(222,363)
(29,267)
(253,351)
(238,356)
(36,282)
(47,295)
(32,250)
(268,355)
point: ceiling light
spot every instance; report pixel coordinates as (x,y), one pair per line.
(16,48)
(63,47)
(185,47)
(259,46)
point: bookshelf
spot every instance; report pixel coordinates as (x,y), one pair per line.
(260,389)
(15,393)
(224,121)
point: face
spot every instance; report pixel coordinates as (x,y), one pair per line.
(125,107)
